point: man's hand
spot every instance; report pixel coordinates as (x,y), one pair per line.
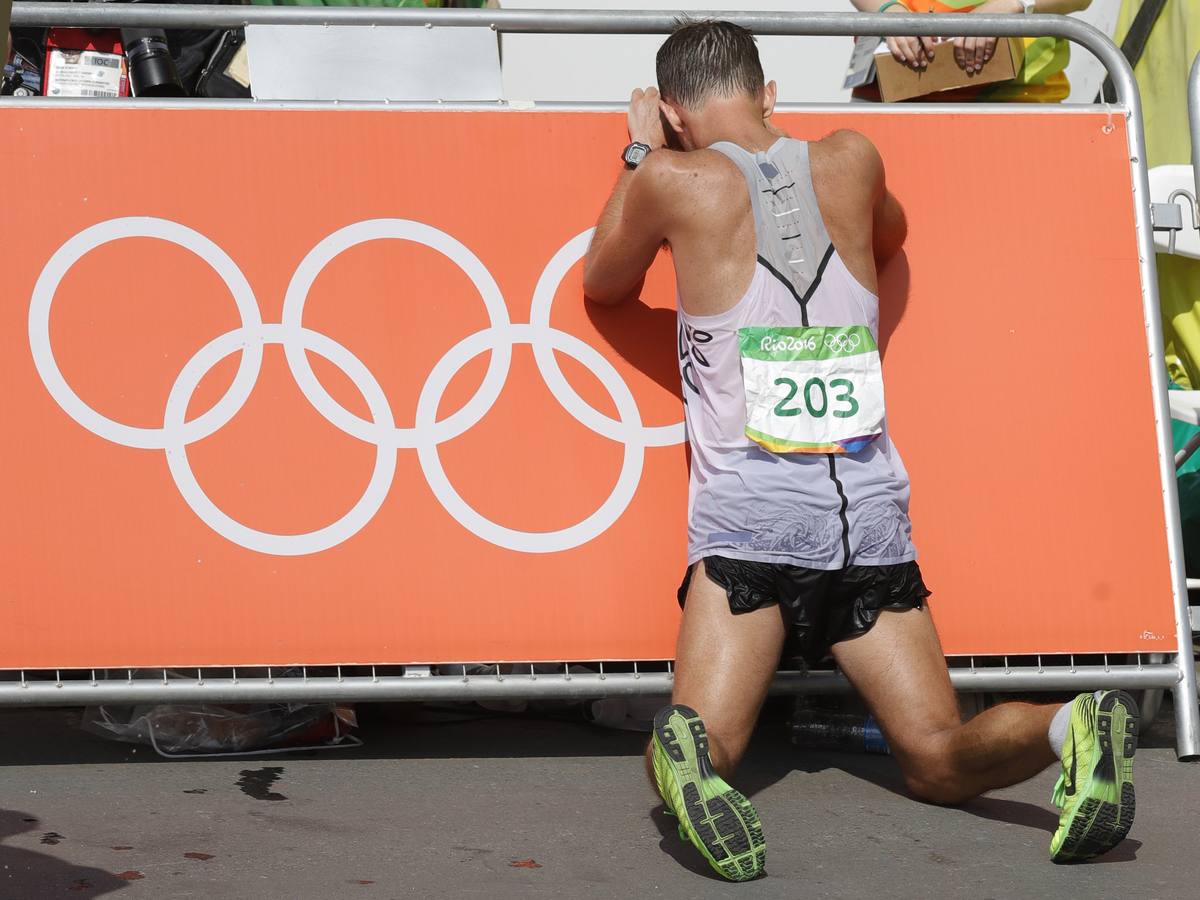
(631,227)
(973,53)
(914,52)
(645,118)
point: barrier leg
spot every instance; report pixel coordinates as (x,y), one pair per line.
(1194,118)
(1187,711)
(1187,707)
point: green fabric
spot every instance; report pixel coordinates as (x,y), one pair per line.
(1188,480)
(1180,432)
(1162,75)
(1041,78)
(1179,297)
(1189,520)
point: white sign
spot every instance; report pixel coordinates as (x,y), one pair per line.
(355,62)
(84,73)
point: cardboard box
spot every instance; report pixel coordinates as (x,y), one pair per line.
(898,82)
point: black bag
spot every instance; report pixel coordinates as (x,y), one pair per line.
(225,73)
(203,59)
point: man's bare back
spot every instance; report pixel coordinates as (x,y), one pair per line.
(700,198)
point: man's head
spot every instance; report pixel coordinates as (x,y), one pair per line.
(710,69)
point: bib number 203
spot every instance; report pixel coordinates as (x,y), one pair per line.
(816,398)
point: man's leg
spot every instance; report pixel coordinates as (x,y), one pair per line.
(899,670)
(723,667)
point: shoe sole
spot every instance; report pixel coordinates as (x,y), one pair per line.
(1101,822)
(718,820)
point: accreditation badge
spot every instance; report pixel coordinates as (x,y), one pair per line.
(817,389)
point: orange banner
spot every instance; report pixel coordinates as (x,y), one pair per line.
(320,387)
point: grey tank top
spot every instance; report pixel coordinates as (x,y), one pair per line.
(821,511)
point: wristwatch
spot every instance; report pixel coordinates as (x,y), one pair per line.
(634,154)
(1027,6)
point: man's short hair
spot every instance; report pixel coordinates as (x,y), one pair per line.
(705,58)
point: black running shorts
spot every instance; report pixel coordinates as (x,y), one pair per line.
(821,608)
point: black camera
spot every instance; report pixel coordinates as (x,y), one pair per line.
(151,70)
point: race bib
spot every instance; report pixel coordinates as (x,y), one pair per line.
(817,389)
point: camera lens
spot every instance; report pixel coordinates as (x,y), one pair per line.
(151,69)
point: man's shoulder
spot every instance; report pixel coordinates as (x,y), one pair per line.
(705,174)
(847,153)
(846,140)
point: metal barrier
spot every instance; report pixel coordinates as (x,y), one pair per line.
(530,680)
(1194,123)
(417,682)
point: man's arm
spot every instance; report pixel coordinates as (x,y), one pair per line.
(628,236)
(889,227)
(851,170)
(634,222)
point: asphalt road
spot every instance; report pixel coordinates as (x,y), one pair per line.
(504,807)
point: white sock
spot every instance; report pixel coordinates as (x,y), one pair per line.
(1059,725)
(1058,728)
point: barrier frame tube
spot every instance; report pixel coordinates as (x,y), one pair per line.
(576,21)
(1193,96)
(259,685)
(1180,676)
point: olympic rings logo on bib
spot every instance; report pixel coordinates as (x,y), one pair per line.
(843,342)
(380,430)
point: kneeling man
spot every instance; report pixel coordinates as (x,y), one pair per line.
(798,525)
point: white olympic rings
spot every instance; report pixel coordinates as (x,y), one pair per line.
(841,342)
(43,355)
(427,433)
(539,315)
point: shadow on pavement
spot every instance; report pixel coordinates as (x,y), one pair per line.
(771,758)
(399,732)
(52,736)
(679,849)
(29,875)
(1044,819)
(45,737)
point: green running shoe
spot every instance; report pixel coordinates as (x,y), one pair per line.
(1095,790)
(718,820)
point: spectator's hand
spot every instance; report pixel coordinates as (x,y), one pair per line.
(973,53)
(913,52)
(645,118)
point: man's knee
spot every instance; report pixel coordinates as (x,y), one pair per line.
(931,773)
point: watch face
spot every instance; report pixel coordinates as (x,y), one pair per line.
(635,154)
